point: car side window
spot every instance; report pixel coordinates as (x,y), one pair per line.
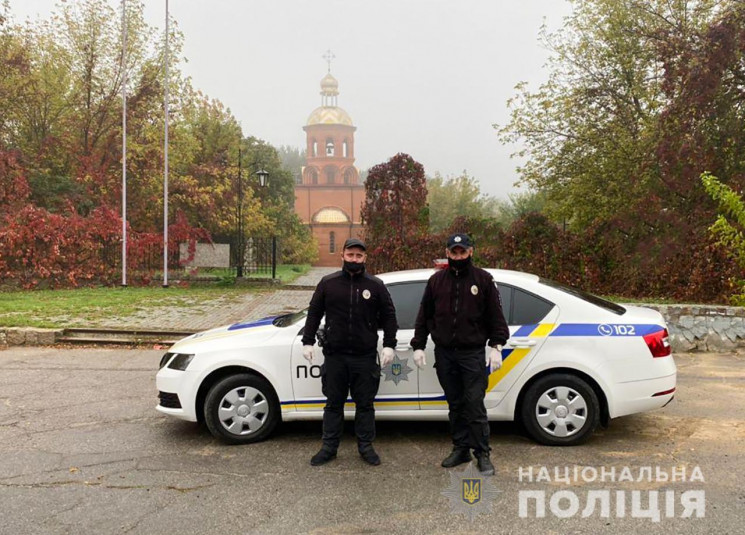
(505,294)
(406,298)
(528,308)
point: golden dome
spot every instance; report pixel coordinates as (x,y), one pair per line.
(329,85)
(329,115)
(330,215)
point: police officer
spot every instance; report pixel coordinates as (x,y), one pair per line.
(461,309)
(355,304)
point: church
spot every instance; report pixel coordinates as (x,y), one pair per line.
(328,195)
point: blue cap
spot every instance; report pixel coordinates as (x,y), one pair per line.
(459,240)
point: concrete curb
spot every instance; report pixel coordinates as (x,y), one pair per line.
(28,336)
(32,336)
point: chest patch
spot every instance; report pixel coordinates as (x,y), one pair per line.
(366,294)
(474,289)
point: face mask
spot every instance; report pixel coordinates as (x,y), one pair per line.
(458,265)
(353,267)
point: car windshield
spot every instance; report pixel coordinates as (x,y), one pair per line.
(289,319)
(594,299)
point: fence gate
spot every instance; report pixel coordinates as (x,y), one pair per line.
(255,255)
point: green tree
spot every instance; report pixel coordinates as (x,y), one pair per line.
(518,206)
(293,160)
(452,197)
(728,227)
(590,132)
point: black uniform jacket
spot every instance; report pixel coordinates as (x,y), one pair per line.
(355,308)
(461,310)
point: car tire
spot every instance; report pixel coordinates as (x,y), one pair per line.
(241,409)
(560,410)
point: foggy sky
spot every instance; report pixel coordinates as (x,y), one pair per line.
(425,77)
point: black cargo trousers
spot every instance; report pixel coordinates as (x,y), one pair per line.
(359,375)
(463,377)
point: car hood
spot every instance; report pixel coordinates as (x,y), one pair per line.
(253,333)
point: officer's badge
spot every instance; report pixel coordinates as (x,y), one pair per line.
(474,289)
(366,294)
(457,239)
(471,491)
(397,371)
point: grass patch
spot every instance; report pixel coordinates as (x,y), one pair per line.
(286,273)
(55,308)
(85,306)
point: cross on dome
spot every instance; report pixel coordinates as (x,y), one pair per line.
(328,56)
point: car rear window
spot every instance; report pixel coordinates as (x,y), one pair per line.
(590,298)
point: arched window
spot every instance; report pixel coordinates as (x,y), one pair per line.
(345,149)
(312,176)
(315,148)
(332,242)
(329,147)
(349,176)
(330,175)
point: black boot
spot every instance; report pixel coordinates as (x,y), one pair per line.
(456,457)
(484,464)
(322,457)
(370,456)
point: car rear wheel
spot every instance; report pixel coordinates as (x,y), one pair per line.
(241,409)
(560,410)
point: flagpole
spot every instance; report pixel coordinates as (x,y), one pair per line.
(124,142)
(165,176)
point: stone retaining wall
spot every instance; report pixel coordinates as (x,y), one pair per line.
(704,327)
(692,328)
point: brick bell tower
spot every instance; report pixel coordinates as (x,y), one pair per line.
(329,196)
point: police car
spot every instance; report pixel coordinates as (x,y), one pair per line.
(573,361)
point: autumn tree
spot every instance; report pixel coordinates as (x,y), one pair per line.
(452,197)
(395,213)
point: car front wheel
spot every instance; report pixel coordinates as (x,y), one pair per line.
(241,409)
(560,410)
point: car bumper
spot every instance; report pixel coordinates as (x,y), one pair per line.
(180,385)
(645,395)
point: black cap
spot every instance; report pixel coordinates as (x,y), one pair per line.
(459,240)
(355,242)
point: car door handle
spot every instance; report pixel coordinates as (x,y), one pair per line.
(521,342)
(403,348)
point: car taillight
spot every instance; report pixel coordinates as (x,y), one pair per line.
(658,343)
(441,263)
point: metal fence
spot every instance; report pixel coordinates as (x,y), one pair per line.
(255,255)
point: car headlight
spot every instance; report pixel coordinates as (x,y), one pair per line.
(181,361)
(164,359)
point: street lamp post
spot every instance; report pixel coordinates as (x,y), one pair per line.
(263,176)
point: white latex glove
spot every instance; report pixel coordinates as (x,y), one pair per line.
(308,353)
(494,358)
(386,356)
(420,358)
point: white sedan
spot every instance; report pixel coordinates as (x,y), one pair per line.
(573,362)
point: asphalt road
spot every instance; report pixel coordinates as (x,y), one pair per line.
(82,450)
